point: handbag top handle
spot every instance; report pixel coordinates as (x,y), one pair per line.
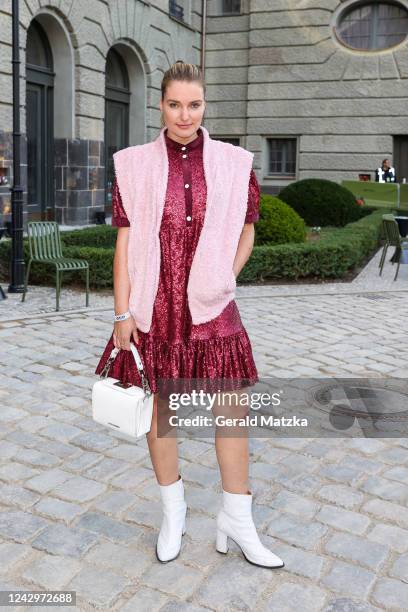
(139,364)
(135,354)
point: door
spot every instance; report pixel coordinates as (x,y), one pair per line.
(401,157)
(117,101)
(39,126)
(116,136)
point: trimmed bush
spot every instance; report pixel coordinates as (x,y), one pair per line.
(278,223)
(322,202)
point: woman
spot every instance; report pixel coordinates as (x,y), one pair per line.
(200,197)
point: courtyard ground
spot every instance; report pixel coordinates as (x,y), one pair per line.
(79,505)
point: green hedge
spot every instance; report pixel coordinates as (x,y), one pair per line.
(95,244)
(337,252)
(96,236)
(100,266)
(278,223)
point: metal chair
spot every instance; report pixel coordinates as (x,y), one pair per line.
(393,239)
(45,246)
(384,235)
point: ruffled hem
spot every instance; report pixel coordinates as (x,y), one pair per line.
(215,364)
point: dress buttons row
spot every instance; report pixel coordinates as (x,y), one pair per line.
(186,185)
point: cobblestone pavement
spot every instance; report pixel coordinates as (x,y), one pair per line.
(79,505)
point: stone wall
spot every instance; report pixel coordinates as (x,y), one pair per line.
(342,106)
(81,32)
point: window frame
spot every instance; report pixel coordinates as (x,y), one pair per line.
(349,7)
(281,175)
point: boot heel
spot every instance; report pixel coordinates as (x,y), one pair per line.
(222,542)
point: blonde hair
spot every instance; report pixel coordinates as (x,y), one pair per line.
(181,71)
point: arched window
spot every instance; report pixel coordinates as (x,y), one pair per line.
(38,52)
(373,26)
(116,72)
(117,98)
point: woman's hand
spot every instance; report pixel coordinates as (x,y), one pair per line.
(244,250)
(123,331)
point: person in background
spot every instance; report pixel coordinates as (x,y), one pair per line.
(386,173)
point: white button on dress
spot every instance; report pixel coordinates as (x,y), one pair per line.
(184,155)
(186,185)
(188,218)
(183,148)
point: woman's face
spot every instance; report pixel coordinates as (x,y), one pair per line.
(183,105)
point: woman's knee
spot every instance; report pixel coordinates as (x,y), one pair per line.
(233,404)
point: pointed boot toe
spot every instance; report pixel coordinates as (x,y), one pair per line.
(235,521)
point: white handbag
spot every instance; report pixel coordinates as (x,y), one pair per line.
(122,406)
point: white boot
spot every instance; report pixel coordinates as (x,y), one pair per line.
(174,521)
(235,521)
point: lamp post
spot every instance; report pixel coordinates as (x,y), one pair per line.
(17,256)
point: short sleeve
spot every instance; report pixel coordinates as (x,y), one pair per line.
(252,215)
(119,217)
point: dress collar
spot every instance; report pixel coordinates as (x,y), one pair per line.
(194,144)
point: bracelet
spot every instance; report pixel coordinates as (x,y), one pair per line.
(122,317)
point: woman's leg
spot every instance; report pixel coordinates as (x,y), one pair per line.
(234,519)
(233,458)
(232,448)
(163,450)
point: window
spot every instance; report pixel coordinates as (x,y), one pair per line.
(282,156)
(234,141)
(373,26)
(176,10)
(231,7)
(116,72)
(38,52)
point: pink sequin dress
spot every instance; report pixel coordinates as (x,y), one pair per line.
(174,348)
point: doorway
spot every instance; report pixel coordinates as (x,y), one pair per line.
(117,102)
(40,125)
(401,157)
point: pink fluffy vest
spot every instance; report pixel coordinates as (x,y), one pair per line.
(142,174)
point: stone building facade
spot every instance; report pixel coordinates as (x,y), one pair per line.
(313,89)
(280,76)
